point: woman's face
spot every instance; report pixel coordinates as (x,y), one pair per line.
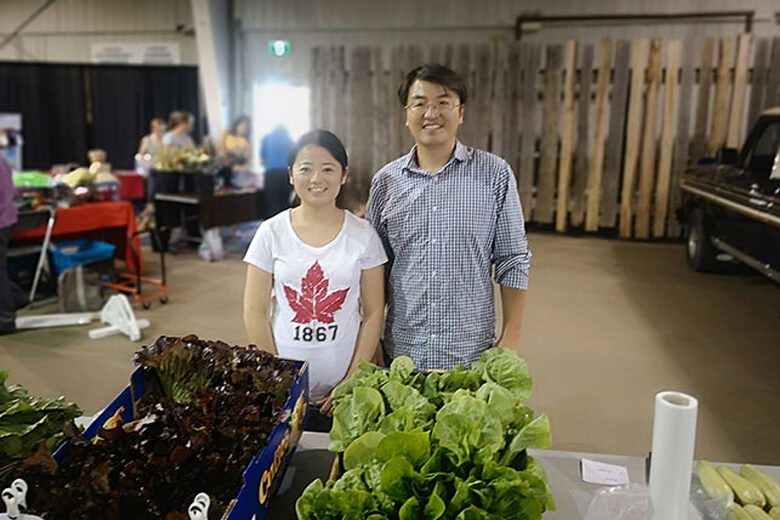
(158,128)
(317,176)
(242,128)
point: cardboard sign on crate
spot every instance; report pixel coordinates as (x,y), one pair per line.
(263,475)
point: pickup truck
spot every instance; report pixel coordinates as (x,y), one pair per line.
(731,209)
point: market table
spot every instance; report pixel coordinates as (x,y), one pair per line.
(112,222)
(312,460)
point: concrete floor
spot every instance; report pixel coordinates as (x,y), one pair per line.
(608,324)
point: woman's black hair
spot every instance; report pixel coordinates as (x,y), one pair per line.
(238,121)
(433,73)
(324,138)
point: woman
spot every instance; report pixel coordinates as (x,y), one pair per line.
(180,126)
(235,152)
(325,269)
(152,142)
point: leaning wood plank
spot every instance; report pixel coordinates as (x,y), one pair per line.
(513,107)
(397,119)
(758,81)
(545,193)
(528,127)
(772,97)
(316,90)
(580,177)
(699,143)
(720,106)
(341,102)
(480,102)
(599,136)
(647,171)
(360,126)
(681,150)
(381,112)
(567,136)
(498,102)
(633,128)
(734,133)
(462,65)
(667,138)
(617,127)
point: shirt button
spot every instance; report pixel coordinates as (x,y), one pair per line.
(435,208)
(433,241)
(433,273)
(433,304)
(433,336)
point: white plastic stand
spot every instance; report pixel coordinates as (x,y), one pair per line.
(118,313)
(15,498)
(199,510)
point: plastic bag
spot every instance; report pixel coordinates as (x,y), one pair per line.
(210,248)
(631,502)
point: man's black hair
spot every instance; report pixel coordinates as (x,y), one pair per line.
(434,73)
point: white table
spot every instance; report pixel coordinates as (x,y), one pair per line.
(312,460)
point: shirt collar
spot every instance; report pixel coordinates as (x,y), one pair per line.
(462,153)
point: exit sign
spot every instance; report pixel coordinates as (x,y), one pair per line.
(279,48)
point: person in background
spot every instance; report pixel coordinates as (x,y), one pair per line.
(180,126)
(8,217)
(450,219)
(274,149)
(152,141)
(235,152)
(315,280)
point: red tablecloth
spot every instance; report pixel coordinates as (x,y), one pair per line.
(112,222)
(131,184)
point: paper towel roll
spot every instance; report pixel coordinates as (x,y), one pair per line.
(674,437)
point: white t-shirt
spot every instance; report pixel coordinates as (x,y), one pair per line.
(316,294)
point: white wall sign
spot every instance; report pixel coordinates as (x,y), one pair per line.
(136,53)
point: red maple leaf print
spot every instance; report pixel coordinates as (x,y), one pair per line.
(314,303)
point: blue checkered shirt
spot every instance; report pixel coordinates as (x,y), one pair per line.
(443,234)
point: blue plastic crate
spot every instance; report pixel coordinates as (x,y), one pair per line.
(79,252)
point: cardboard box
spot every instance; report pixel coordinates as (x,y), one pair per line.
(264,473)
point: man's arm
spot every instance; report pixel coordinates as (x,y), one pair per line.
(512,303)
(511,258)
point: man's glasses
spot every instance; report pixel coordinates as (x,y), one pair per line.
(442,106)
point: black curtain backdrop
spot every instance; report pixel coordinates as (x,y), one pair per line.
(68,109)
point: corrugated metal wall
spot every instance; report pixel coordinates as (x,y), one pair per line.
(65,31)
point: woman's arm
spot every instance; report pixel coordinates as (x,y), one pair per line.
(257,301)
(222,143)
(372,299)
(143,148)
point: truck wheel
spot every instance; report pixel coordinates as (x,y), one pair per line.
(699,251)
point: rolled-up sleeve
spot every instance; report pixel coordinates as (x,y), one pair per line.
(511,256)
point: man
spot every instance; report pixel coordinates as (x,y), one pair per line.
(273,155)
(8,217)
(449,215)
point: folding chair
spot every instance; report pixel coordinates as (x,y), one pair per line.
(44,215)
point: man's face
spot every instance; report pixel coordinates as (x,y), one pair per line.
(433,114)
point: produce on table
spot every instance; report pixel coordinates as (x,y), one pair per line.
(735,512)
(775,513)
(26,421)
(764,483)
(744,491)
(756,513)
(208,410)
(446,445)
(712,482)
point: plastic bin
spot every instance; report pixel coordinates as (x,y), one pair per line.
(79,252)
